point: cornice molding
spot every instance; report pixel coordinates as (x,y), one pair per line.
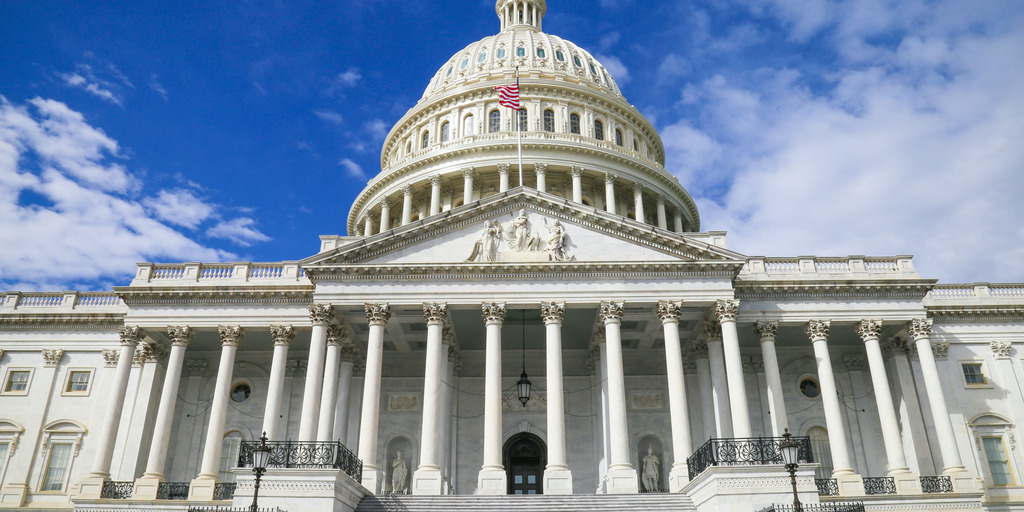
(285,294)
(62,321)
(818,288)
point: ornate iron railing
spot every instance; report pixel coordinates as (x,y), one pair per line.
(853,506)
(231,509)
(224,490)
(879,485)
(936,484)
(743,451)
(117,490)
(827,486)
(288,454)
(172,491)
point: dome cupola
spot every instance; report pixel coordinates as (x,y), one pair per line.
(521,13)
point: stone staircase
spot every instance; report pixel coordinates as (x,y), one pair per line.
(538,503)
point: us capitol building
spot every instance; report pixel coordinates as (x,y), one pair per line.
(574,333)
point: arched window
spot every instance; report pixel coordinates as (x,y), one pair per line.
(598,130)
(992,432)
(494,121)
(636,145)
(231,445)
(574,123)
(523,120)
(61,440)
(468,127)
(549,120)
(426,140)
(10,433)
(618,137)
(408,147)
(445,131)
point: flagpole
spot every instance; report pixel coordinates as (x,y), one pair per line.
(519,133)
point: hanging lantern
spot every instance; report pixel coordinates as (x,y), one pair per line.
(525,386)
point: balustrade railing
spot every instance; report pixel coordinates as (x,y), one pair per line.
(117,490)
(289,454)
(936,484)
(852,506)
(827,486)
(224,490)
(209,508)
(172,491)
(879,485)
(750,451)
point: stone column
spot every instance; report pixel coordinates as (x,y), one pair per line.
(146,487)
(492,478)
(435,194)
(503,170)
(622,476)
(540,170)
(638,202)
(368,225)
(385,215)
(719,384)
(282,336)
(699,352)
(377,315)
(726,311)
(406,204)
(678,476)
(346,368)
(609,192)
(678,218)
(467,185)
(557,476)
(766,332)
(320,315)
(849,481)
(428,479)
(952,465)
(202,486)
(448,356)
(92,486)
(662,218)
(577,183)
(329,398)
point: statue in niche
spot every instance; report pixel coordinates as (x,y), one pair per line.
(521,239)
(399,475)
(556,243)
(486,248)
(651,470)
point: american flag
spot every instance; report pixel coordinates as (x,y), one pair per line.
(508,95)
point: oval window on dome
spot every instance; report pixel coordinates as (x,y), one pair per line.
(576,60)
(449,73)
(593,71)
(540,53)
(501,53)
(520,52)
(482,57)
(560,56)
(465,62)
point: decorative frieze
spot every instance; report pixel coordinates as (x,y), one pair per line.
(282,334)
(552,312)
(378,313)
(130,335)
(854,362)
(817,330)
(920,328)
(645,400)
(52,357)
(766,331)
(493,312)
(668,311)
(1001,349)
(181,335)
(726,310)
(869,329)
(403,402)
(611,312)
(231,335)
(321,314)
(435,313)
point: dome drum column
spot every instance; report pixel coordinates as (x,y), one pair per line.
(638,200)
(662,220)
(609,193)
(577,183)
(540,170)
(435,194)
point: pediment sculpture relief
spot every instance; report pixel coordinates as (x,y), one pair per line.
(518,241)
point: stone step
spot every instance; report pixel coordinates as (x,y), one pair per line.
(539,503)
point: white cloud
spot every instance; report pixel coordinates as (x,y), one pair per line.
(157,87)
(352,169)
(179,207)
(240,231)
(377,129)
(329,116)
(348,78)
(107,88)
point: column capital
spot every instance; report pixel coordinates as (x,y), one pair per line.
(384,204)
(336,334)
(660,199)
(690,365)
(753,364)
(52,357)
(377,313)
(468,172)
(940,349)
(699,349)
(766,330)
(576,171)
(727,309)
(611,312)
(638,187)
(540,168)
(349,352)
(504,168)
(817,330)
(552,312)
(609,178)
(181,335)
(230,335)
(921,328)
(435,313)
(1000,349)
(407,190)
(447,335)
(869,329)
(494,313)
(130,335)
(282,334)
(321,314)
(436,180)
(711,330)
(668,310)
(854,362)
(195,367)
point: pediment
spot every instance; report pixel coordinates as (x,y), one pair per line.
(523,226)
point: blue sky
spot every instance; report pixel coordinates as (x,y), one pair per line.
(221,131)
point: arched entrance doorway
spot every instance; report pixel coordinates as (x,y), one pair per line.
(525,456)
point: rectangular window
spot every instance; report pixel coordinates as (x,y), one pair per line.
(78,381)
(998,464)
(5,447)
(973,373)
(17,381)
(57,467)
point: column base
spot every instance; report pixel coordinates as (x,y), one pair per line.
(964,481)
(371,478)
(427,481)
(202,488)
(492,481)
(678,477)
(849,483)
(91,487)
(623,480)
(906,482)
(13,495)
(146,488)
(557,481)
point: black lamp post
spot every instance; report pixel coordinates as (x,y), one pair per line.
(524,384)
(260,458)
(790,457)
